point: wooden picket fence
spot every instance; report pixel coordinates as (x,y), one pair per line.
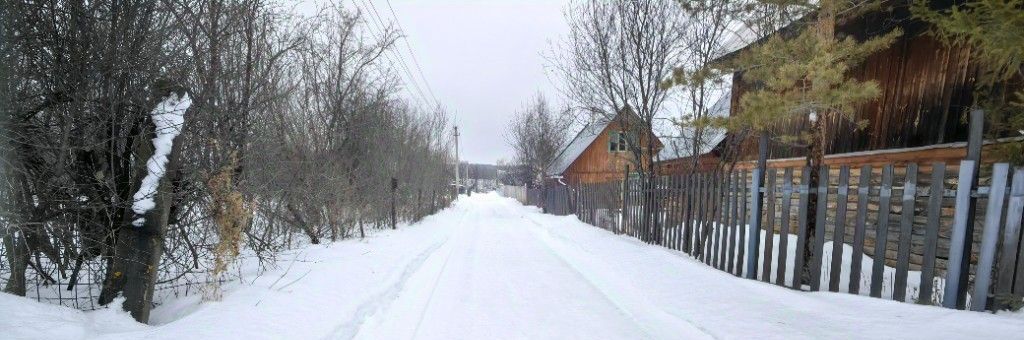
(943,234)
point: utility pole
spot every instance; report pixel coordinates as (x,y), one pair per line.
(457,184)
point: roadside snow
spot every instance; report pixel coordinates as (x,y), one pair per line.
(168,116)
(489,268)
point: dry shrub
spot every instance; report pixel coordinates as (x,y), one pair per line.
(231,215)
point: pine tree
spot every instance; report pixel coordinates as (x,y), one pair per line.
(805,77)
(992,29)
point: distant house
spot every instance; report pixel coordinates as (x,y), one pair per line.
(927,89)
(600,152)
(680,156)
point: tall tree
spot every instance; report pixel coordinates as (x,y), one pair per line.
(804,78)
(537,134)
(616,58)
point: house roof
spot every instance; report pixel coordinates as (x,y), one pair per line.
(576,147)
(585,138)
(714,136)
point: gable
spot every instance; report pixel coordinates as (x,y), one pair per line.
(592,143)
(575,148)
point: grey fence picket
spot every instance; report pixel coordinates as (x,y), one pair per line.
(931,232)
(863,190)
(1010,236)
(713,236)
(1013,225)
(730,257)
(723,221)
(958,240)
(899,292)
(754,234)
(769,226)
(819,229)
(787,195)
(990,237)
(838,236)
(801,230)
(881,231)
(741,228)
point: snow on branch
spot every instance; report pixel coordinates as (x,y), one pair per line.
(168,117)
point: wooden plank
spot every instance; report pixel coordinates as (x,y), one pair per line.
(958,240)
(730,264)
(677,218)
(1013,218)
(754,230)
(881,231)
(714,241)
(1011,236)
(787,195)
(839,234)
(702,185)
(990,237)
(801,231)
(723,218)
(709,219)
(819,227)
(741,245)
(769,226)
(688,216)
(671,206)
(899,292)
(863,190)
(931,233)
(620,224)
(668,193)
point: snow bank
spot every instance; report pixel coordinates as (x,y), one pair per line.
(24,318)
(491,268)
(168,116)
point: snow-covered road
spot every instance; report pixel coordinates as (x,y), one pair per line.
(499,276)
(489,268)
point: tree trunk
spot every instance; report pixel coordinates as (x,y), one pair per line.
(825,31)
(145,243)
(815,159)
(306,228)
(17,260)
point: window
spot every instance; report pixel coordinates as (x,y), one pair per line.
(617,141)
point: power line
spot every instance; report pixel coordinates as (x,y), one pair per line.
(401,61)
(411,52)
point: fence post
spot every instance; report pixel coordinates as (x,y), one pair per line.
(394,188)
(754,228)
(962,239)
(622,213)
(990,237)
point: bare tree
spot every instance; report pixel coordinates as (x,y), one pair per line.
(713,29)
(616,58)
(615,64)
(537,134)
(297,127)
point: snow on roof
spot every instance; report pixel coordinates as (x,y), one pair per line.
(680,148)
(576,147)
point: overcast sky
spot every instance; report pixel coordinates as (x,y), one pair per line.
(482,58)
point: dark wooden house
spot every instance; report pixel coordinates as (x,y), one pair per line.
(927,90)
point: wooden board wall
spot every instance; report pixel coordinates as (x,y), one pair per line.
(926,91)
(597,164)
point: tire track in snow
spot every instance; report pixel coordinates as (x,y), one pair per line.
(379,302)
(594,280)
(440,273)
